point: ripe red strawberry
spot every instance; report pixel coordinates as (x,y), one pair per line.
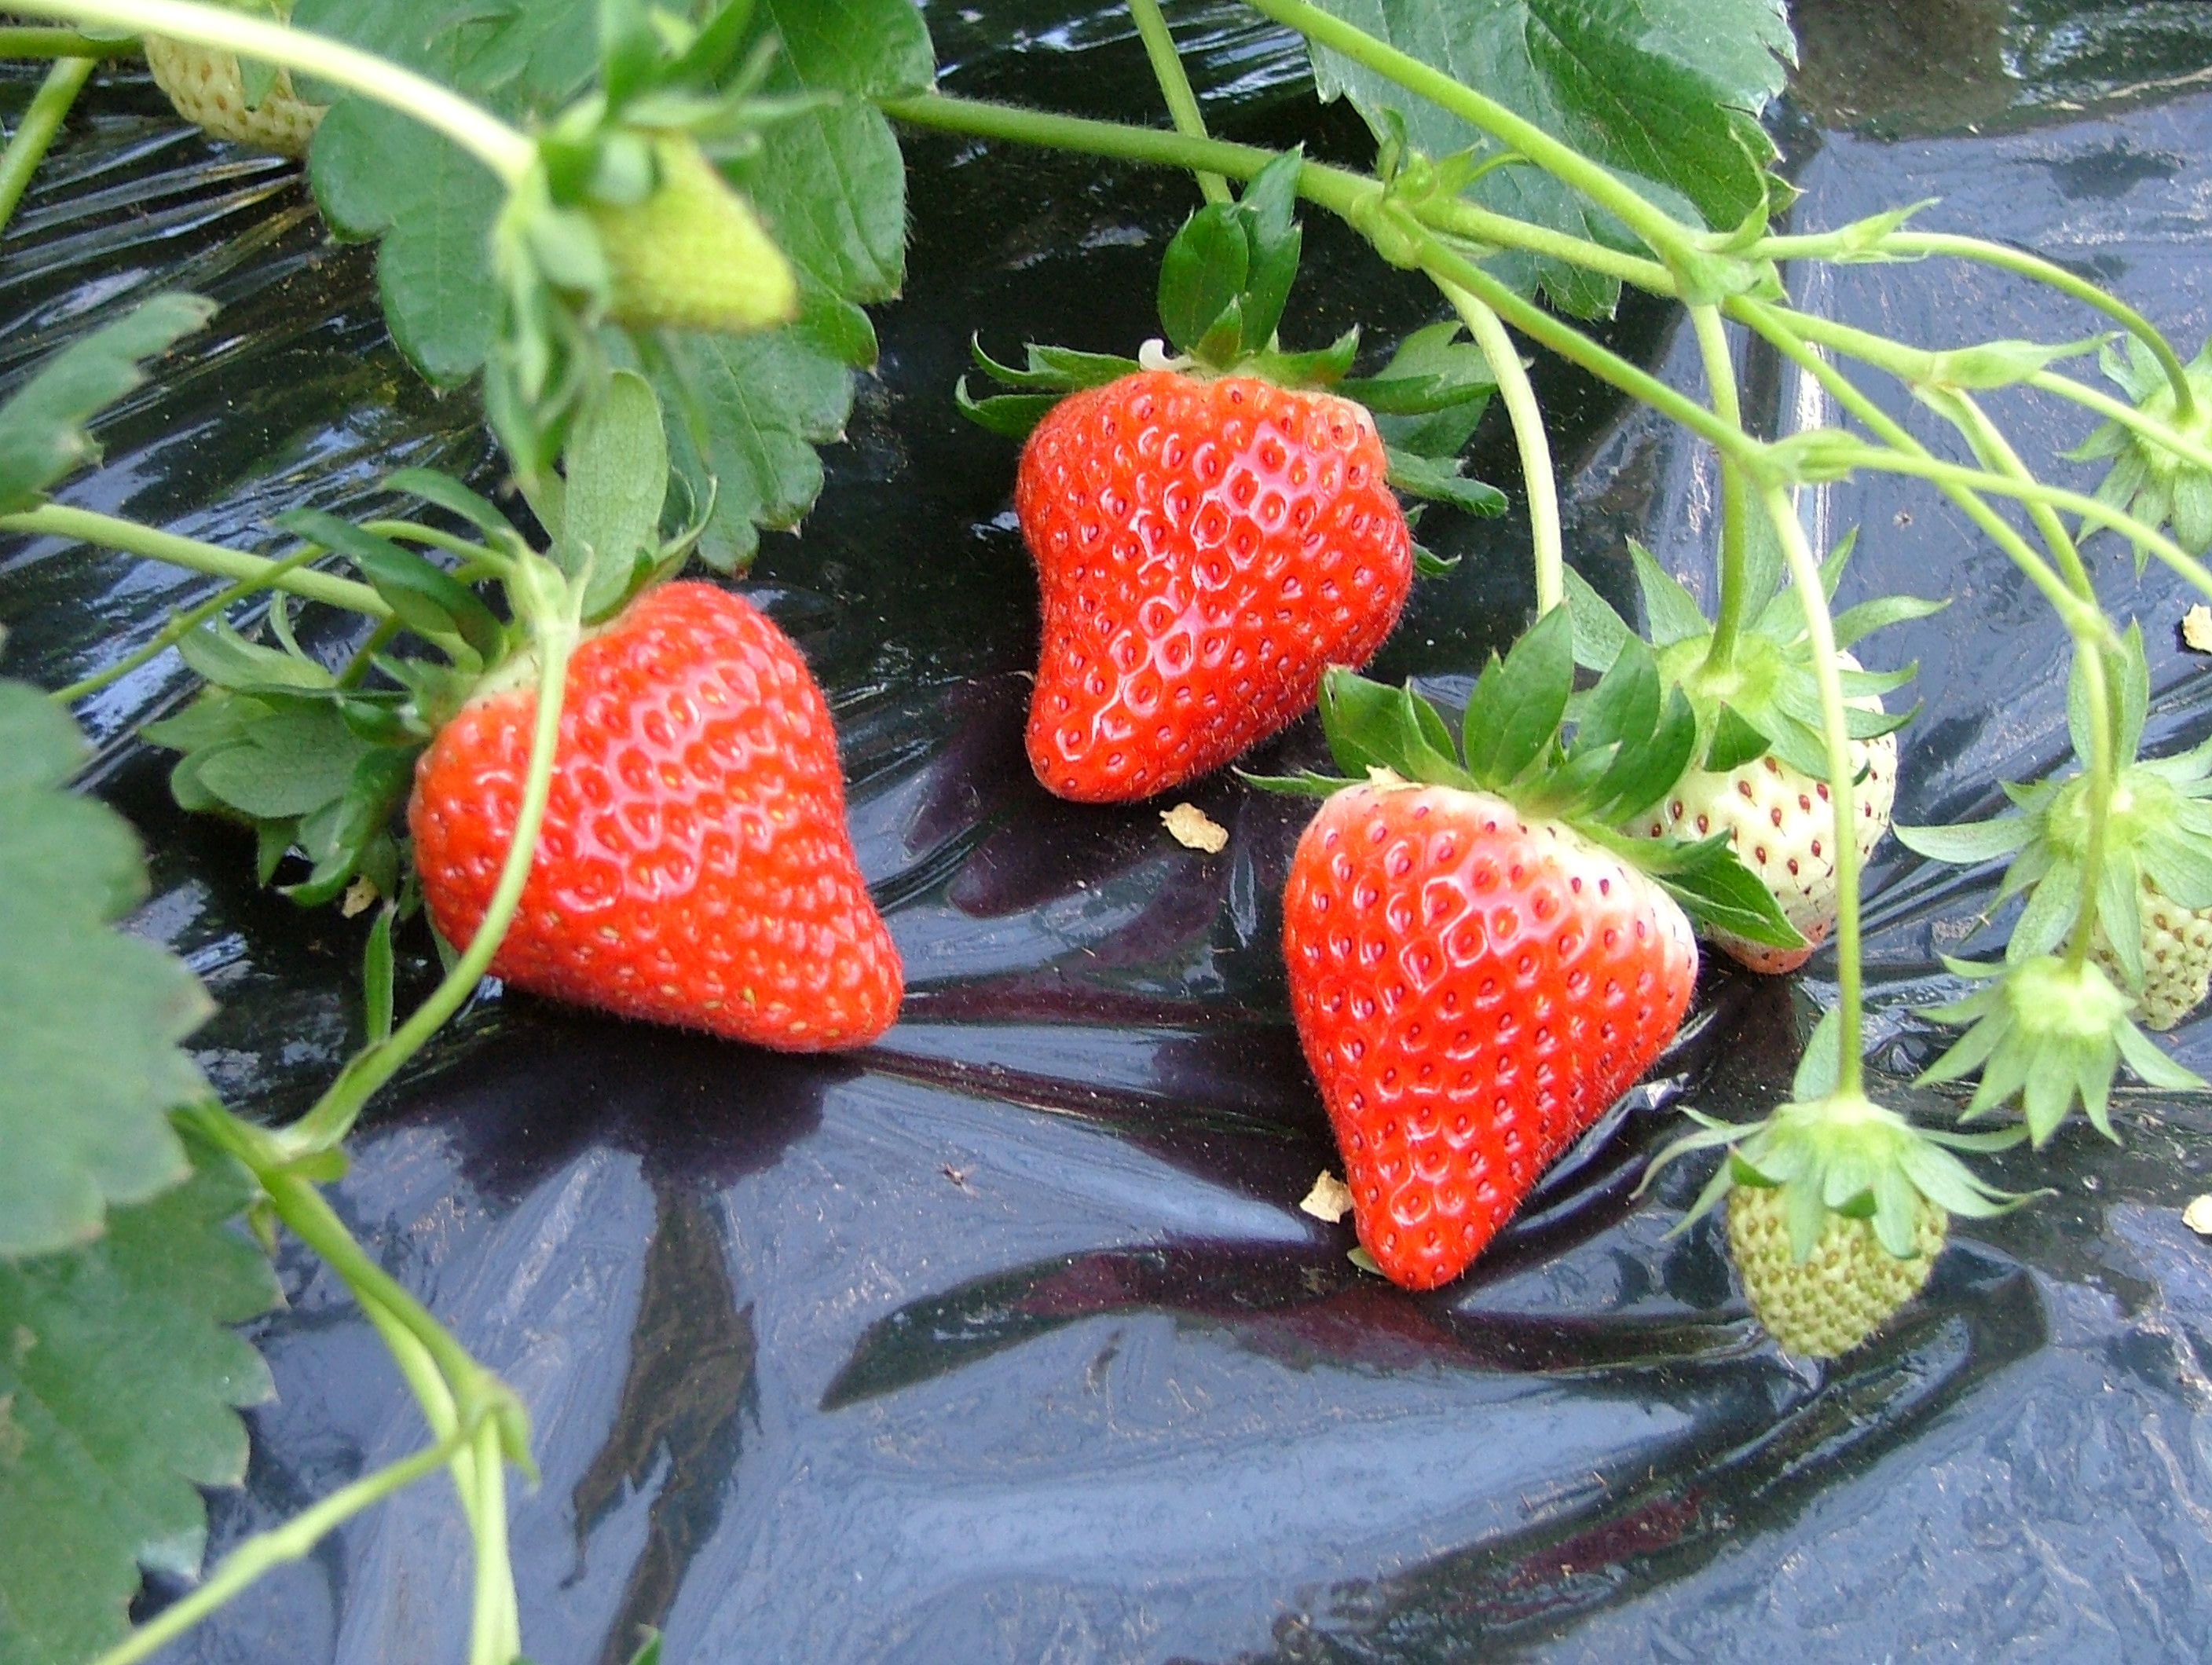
(1205,549)
(1479,966)
(1473,989)
(695,867)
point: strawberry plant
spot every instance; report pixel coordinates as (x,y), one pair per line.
(519,742)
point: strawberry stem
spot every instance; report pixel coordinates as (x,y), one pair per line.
(35,132)
(332,1115)
(1175,87)
(1914,245)
(1805,572)
(182,624)
(80,525)
(509,154)
(265,1551)
(1665,235)
(1720,375)
(35,41)
(1539,480)
(2158,433)
(1338,190)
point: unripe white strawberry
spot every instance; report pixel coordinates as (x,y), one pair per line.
(1781,827)
(2177,958)
(1826,1304)
(208,90)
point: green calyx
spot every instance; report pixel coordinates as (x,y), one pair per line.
(1223,281)
(2158,828)
(1764,696)
(2150,481)
(1841,1153)
(2052,1035)
(1629,742)
(319,762)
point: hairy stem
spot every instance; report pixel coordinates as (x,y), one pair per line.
(182,626)
(1835,731)
(495,1621)
(1335,189)
(1770,324)
(1667,236)
(17,40)
(57,94)
(86,527)
(2021,263)
(507,153)
(1175,87)
(265,1551)
(1720,376)
(1538,477)
(2119,410)
(333,1115)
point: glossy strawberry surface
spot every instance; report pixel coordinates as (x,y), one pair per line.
(1473,989)
(1205,549)
(694,867)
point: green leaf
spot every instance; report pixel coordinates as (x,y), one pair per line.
(1720,893)
(450,494)
(117,1384)
(42,433)
(1821,1062)
(748,411)
(617,481)
(1010,416)
(1363,721)
(1429,398)
(292,762)
(1670,90)
(91,1018)
(1426,477)
(427,597)
(1518,703)
(1970,842)
(1600,632)
(1670,611)
(1735,742)
(1202,274)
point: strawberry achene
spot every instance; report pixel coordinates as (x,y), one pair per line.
(1204,549)
(695,867)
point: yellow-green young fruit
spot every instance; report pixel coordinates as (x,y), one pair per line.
(694,255)
(1846,1289)
(208,91)
(2177,957)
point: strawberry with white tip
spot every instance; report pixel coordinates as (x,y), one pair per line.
(1762,767)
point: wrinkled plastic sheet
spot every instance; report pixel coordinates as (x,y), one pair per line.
(1005,1339)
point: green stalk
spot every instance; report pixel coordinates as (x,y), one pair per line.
(507,153)
(1769,323)
(265,1551)
(2126,414)
(2024,264)
(1835,731)
(333,1115)
(182,626)
(1720,376)
(86,527)
(21,41)
(57,94)
(1666,237)
(495,1623)
(1538,477)
(480,560)
(1175,87)
(2102,764)
(1335,189)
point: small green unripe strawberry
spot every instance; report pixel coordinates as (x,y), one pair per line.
(1826,1304)
(694,255)
(2177,957)
(209,89)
